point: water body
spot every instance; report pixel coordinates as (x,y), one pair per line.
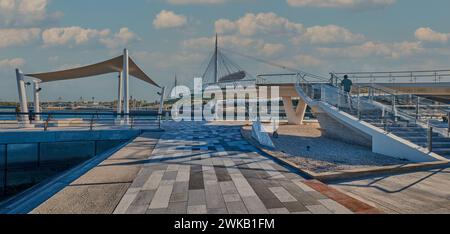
(70,114)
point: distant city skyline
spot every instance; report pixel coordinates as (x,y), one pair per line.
(175,37)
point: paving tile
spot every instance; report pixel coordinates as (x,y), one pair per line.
(303,186)
(295,207)
(242,186)
(177,208)
(272,203)
(318,209)
(236,208)
(162,197)
(196,178)
(228,187)
(335,207)
(141,202)
(196,197)
(179,197)
(232,197)
(279,211)
(222,174)
(282,194)
(170,175)
(199,209)
(214,198)
(217,211)
(183,175)
(153,181)
(180,187)
(126,201)
(254,205)
(157,211)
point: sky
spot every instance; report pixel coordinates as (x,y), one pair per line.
(175,37)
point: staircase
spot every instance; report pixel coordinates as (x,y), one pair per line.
(371,112)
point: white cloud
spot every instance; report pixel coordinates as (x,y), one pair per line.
(168,19)
(120,39)
(341,3)
(272,48)
(263,23)
(186,2)
(25,12)
(164,61)
(269,24)
(301,60)
(71,36)
(429,35)
(12,63)
(327,35)
(238,43)
(17,37)
(389,50)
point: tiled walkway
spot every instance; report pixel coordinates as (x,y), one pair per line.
(198,168)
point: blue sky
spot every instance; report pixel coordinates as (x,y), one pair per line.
(168,37)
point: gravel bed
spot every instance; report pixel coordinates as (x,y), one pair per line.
(309,149)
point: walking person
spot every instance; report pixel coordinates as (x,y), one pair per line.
(347,85)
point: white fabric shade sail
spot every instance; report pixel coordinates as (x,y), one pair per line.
(105,67)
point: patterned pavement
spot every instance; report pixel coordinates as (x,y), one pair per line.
(198,168)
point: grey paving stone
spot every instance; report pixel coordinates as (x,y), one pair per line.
(335,207)
(295,207)
(157,211)
(282,194)
(141,202)
(183,175)
(196,178)
(162,197)
(217,211)
(232,197)
(279,211)
(179,197)
(254,205)
(318,209)
(228,187)
(170,175)
(236,208)
(199,209)
(177,208)
(214,198)
(196,197)
(126,201)
(242,185)
(153,181)
(272,203)
(141,178)
(180,187)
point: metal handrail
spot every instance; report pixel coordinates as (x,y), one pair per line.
(86,120)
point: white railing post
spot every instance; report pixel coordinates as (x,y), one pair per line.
(23,117)
(120,97)
(126,79)
(37,101)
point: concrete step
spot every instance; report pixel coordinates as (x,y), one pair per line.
(425,139)
(441,151)
(407,135)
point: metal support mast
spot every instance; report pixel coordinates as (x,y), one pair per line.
(216,61)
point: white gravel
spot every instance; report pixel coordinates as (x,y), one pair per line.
(307,148)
